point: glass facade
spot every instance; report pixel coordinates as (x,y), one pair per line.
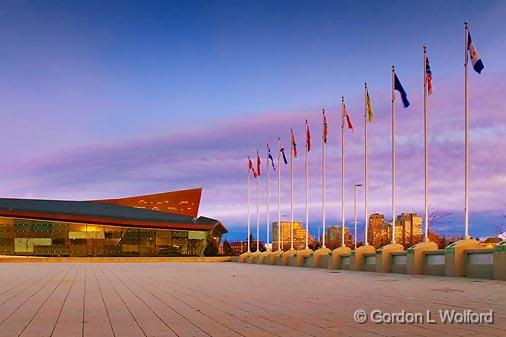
(52,238)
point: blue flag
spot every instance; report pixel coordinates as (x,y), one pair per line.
(475,56)
(400,89)
(284,157)
(269,155)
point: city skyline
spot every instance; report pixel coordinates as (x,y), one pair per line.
(104,125)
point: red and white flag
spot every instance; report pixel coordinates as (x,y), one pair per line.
(346,116)
(251,167)
(258,164)
(308,137)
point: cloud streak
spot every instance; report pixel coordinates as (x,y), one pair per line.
(214,157)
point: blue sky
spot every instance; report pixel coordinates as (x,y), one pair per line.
(93,87)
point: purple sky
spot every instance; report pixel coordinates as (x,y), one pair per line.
(117,99)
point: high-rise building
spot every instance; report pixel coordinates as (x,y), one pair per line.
(299,235)
(333,236)
(376,224)
(408,230)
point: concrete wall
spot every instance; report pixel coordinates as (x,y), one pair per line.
(31,259)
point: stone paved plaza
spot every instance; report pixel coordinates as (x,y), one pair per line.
(230,299)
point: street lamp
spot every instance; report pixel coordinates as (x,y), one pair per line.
(355,210)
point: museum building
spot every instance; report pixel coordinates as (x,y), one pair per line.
(163,224)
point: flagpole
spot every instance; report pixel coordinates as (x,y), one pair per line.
(268,215)
(426,144)
(279,194)
(366,177)
(393,155)
(249,211)
(323,183)
(342,170)
(466,97)
(307,187)
(291,191)
(258,213)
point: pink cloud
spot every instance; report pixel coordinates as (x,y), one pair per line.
(214,157)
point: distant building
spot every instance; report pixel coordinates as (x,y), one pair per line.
(333,237)
(408,230)
(376,224)
(239,247)
(299,235)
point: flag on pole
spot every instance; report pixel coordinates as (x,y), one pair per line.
(346,116)
(428,75)
(269,155)
(294,144)
(475,56)
(308,137)
(400,89)
(370,114)
(251,167)
(258,164)
(282,150)
(325,128)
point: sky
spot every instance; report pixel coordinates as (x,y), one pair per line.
(104,99)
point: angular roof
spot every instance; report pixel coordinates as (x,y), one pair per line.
(101,213)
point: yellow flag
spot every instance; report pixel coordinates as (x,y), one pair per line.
(370,115)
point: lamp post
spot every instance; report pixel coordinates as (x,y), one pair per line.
(355,210)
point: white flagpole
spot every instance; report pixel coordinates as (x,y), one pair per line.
(249,211)
(258,214)
(323,184)
(366,173)
(393,154)
(268,200)
(307,189)
(426,143)
(279,194)
(291,189)
(466,97)
(342,171)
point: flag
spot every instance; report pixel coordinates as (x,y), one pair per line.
(308,137)
(282,150)
(400,89)
(368,104)
(346,116)
(475,56)
(251,167)
(258,164)
(428,76)
(294,144)
(269,156)
(325,126)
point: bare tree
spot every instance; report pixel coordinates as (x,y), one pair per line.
(500,228)
(437,217)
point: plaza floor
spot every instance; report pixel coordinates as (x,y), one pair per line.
(230,299)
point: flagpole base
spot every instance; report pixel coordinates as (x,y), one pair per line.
(320,258)
(274,257)
(301,257)
(455,256)
(357,259)
(384,255)
(286,256)
(252,258)
(243,258)
(416,257)
(264,257)
(335,258)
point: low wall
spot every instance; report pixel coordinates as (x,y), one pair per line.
(398,262)
(434,263)
(370,262)
(479,263)
(32,259)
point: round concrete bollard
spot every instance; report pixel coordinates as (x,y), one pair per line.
(317,256)
(335,260)
(301,255)
(243,258)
